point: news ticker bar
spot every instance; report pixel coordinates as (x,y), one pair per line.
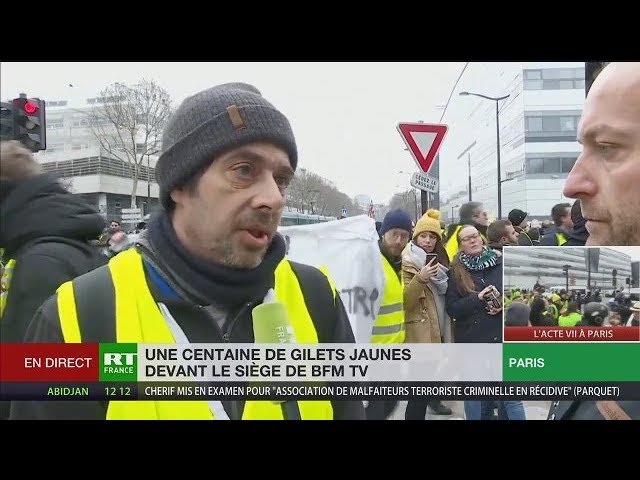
(111,391)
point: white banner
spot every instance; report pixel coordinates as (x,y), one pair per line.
(349,249)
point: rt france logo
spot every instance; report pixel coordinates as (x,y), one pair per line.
(118,362)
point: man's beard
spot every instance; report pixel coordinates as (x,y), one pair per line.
(234,259)
(235,256)
(623,230)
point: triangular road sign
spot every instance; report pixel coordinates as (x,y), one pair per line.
(423,141)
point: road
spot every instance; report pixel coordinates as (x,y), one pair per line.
(534,410)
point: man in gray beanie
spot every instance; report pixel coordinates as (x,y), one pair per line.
(205,262)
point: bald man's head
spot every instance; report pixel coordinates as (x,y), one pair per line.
(606,176)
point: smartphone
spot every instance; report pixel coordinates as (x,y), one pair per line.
(493,299)
(431,256)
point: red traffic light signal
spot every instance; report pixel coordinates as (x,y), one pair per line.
(29,122)
(30,107)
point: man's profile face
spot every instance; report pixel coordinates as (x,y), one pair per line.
(606,175)
(567,223)
(510,237)
(234,212)
(480,217)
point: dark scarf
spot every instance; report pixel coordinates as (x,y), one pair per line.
(474,263)
(214,283)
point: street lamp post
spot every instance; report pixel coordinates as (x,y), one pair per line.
(566,273)
(468,164)
(148,186)
(452,217)
(497,100)
(469,169)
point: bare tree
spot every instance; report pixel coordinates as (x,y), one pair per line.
(310,193)
(129,122)
(407,201)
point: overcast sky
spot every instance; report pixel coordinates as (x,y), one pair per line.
(633,252)
(344,115)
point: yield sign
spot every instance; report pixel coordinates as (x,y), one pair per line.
(423,141)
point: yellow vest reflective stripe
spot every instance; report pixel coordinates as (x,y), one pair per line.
(7,273)
(561,238)
(140,320)
(389,324)
(554,311)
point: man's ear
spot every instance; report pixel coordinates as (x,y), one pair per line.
(178,195)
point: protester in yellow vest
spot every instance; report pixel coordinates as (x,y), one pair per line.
(204,263)
(388,327)
(563,224)
(470,213)
(572,317)
(556,306)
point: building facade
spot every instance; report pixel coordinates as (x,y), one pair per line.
(538,129)
(524,266)
(74,155)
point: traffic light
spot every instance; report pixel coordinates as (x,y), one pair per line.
(29,122)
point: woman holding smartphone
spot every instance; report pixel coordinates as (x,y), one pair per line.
(474,300)
(424,274)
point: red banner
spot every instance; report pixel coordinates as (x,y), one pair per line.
(571,334)
(41,362)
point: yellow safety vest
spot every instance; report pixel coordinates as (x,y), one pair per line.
(561,238)
(140,320)
(569,320)
(5,281)
(389,324)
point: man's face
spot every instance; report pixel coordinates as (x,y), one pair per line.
(234,212)
(480,217)
(394,241)
(606,176)
(510,236)
(114,225)
(615,319)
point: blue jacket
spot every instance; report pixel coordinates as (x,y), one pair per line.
(472,322)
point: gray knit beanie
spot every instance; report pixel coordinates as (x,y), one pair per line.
(214,121)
